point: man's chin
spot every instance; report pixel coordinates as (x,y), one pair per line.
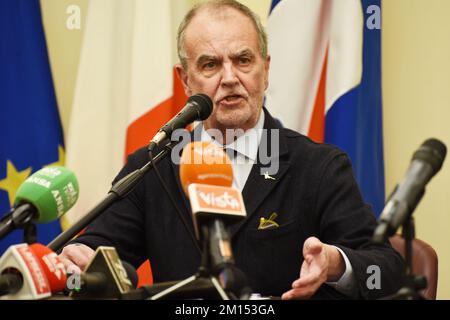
(226,114)
(233,121)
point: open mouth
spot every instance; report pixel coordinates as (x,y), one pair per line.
(232,99)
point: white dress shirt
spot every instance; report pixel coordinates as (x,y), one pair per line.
(246,151)
(243,154)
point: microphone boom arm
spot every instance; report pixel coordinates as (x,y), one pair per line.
(118,191)
(21,217)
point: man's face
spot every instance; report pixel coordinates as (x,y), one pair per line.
(224,62)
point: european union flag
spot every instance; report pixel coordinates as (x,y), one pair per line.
(30,129)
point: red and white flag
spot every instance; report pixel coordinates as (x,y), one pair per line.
(126,90)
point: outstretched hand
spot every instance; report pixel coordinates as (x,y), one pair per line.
(321,263)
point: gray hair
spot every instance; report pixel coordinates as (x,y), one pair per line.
(218,4)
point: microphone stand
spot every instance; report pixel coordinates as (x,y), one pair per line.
(203,284)
(202,276)
(412,283)
(21,218)
(30,233)
(118,191)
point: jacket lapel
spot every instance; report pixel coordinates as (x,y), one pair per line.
(261,182)
(259,186)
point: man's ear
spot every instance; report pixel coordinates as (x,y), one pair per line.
(182,75)
(266,71)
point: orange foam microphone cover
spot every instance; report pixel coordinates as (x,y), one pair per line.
(205,163)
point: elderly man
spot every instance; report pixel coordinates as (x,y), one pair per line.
(318,240)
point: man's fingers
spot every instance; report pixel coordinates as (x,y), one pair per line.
(305,281)
(79,258)
(299,293)
(70,266)
(313,270)
(88,252)
(303,288)
(78,254)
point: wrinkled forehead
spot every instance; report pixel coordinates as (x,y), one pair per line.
(220,32)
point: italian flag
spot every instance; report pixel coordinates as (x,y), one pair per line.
(126,90)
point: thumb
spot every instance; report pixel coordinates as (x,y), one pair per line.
(312,246)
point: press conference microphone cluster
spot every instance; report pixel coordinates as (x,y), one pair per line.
(97,280)
(426,162)
(36,272)
(45,196)
(197,108)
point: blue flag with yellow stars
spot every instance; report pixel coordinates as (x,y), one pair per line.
(30,128)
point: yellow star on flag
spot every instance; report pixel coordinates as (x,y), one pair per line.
(61,158)
(13,180)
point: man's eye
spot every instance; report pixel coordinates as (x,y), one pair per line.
(209,65)
(244,60)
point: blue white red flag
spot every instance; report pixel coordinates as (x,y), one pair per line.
(325,80)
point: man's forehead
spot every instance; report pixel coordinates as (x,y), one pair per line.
(208,14)
(228,25)
(215,37)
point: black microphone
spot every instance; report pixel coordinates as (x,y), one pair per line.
(198,107)
(11,282)
(97,282)
(426,162)
(106,277)
(131,273)
(221,254)
(233,280)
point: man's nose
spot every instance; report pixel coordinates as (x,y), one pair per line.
(229,76)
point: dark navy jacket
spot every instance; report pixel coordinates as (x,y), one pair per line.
(314,194)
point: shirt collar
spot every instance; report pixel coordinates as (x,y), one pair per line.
(247,144)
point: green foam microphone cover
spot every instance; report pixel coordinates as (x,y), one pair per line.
(51,190)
